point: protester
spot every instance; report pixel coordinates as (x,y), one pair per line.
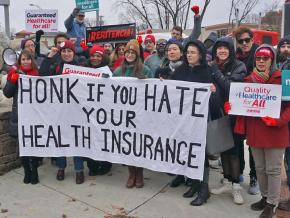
(98,58)
(132,66)
(54,55)
(196,69)
(25,65)
(173,60)
(117,56)
(108,47)
(268,137)
(67,54)
(283,62)
(245,52)
(209,43)
(149,43)
(228,69)
(76,28)
(155,60)
(176,31)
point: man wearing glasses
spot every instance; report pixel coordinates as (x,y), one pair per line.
(245,52)
(155,60)
(76,28)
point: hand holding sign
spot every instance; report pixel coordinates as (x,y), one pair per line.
(227,107)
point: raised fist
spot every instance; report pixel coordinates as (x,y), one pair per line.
(75,12)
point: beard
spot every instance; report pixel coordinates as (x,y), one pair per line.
(282,57)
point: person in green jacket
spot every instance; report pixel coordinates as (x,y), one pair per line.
(133,66)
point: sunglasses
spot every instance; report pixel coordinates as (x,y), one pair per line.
(246,40)
(161,43)
(262,58)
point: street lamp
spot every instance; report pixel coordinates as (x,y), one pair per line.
(35,5)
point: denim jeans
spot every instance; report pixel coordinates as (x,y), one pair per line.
(78,163)
(287,158)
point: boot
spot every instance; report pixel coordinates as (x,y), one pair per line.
(34,172)
(60,175)
(260,205)
(269,211)
(284,205)
(27,175)
(80,178)
(195,187)
(202,196)
(132,177)
(139,177)
(177,181)
(27,170)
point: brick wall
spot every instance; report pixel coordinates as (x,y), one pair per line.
(8,146)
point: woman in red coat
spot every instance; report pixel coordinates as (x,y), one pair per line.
(266,136)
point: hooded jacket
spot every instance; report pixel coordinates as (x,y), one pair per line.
(258,134)
(233,71)
(201,74)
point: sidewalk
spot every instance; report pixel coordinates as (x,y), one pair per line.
(107,194)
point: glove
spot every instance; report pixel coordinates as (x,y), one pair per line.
(83,44)
(38,35)
(195,9)
(227,107)
(13,75)
(75,12)
(140,40)
(269,121)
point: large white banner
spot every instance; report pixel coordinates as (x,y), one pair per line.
(159,125)
(46,20)
(255,100)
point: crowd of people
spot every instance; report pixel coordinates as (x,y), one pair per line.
(218,61)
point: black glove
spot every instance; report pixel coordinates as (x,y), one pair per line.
(38,35)
(75,12)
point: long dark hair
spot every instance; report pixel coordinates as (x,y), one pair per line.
(30,56)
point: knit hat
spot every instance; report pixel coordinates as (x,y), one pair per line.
(97,49)
(133,45)
(68,44)
(283,41)
(264,52)
(150,37)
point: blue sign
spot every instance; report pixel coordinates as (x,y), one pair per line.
(88,5)
(286,85)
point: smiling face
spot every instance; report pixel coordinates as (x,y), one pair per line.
(130,56)
(67,55)
(30,46)
(25,61)
(96,59)
(222,53)
(174,52)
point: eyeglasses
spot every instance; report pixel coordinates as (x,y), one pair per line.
(246,40)
(262,58)
(130,53)
(161,43)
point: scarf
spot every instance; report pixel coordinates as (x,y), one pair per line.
(174,65)
(260,77)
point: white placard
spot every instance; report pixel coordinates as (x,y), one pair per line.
(46,20)
(159,125)
(86,71)
(255,100)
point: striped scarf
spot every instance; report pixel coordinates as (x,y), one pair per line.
(260,77)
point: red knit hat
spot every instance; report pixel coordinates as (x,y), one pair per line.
(68,44)
(150,37)
(265,52)
(97,49)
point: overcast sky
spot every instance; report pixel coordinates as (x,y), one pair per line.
(217,12)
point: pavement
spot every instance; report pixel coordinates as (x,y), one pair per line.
(107,196)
